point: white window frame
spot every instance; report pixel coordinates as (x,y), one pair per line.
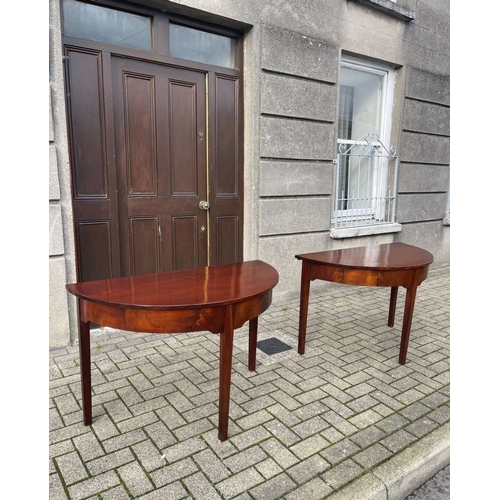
(386,104)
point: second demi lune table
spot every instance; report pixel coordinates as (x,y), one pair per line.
(389,265)
(218,299)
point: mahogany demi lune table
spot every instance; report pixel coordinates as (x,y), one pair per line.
(391,264)
(218,299)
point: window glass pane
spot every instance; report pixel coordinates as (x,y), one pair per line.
(360,103)
(197,45)
(101,24)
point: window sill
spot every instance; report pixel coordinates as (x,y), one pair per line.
(353,232)
(391,8)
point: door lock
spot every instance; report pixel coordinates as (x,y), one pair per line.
(204,205)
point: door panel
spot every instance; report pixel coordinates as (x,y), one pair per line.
(94,195)
(226,184)
(160,122)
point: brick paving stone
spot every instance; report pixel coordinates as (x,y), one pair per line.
(285,400)
(118,493)
(310,427)
(110,461)
(56,488)
(341,474)
(117,410)
(193,429)
(274,488)
(398,441)
(71,468)
(67,433)
(339,423)
(282,432)
(372,456)
(364,419)
(315,489)
(170,473)
(183,449)
(174,491)
(368,436)
(239,483)
(135,479)
(414,411)
(383,410)
(123,440)
(283,414)
(309,446)
(422,426)
(55,420)
(308,469)
(148,455)
(250,437)
(362,403)
(392,423)
(280,453)
(340,451)
(160,435)
(94,485)
(441,415)
(245,459)
(201,488)
(268,468)
(211,466)
(410,396)
(171,417)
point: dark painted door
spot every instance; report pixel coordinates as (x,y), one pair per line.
(146,150)
(160,142)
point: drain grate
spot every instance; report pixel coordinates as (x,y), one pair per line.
(272,346)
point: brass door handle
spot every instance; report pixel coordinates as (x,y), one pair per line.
(204,205)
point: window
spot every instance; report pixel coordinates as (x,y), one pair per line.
(366,170)
(201,46)
(95,22)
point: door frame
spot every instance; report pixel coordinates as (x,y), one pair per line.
(158,55)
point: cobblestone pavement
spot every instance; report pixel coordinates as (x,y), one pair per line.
(301,427)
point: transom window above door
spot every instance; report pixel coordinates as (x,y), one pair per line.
(151,31)
(102,24)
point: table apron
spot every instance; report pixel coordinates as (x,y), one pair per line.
(195,319)
(365,277)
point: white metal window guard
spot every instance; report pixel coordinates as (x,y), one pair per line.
(366,176)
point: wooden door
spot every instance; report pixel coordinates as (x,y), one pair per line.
(148,143)
(160,142)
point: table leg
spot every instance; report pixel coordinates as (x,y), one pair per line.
(304,305)
(252,344)
(411,293)
(85,371)
(392,307)
(225,364)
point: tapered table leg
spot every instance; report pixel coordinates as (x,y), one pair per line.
(392,307)
(85,371)
(225,364)
(252,344)
(304,306)
(411,293)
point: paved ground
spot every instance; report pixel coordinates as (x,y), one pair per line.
(344,421)
(435,488)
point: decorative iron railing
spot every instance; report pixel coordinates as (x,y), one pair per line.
(365,183)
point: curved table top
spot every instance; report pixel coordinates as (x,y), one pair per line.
(384,257)
(188,288)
